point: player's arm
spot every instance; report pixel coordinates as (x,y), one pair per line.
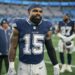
(13,45)
(50,48)
(73,35)
(52,53)
(12,51)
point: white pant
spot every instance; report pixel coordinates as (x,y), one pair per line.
(62,47)
(32,69)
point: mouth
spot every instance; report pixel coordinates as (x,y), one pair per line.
(38,17)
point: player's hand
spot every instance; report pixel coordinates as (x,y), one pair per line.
(66,39)
(11,71)
(56,69)
(62,37)
(71,37)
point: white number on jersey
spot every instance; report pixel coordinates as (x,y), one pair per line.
(66,30)
(37,44)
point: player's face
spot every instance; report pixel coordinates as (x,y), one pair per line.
(65,18)
(36,15)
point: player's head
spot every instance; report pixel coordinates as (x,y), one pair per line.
(66,17)
(35,13)
(4,23)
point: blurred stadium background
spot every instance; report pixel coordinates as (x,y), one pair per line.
(53,11)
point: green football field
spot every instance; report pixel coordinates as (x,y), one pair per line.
(48,62)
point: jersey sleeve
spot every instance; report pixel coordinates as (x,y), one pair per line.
(16,24)
(49,26)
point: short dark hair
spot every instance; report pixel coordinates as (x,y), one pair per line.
(34,6)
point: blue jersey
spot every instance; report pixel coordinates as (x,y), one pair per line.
(31,40)
(67,29)
(4,41)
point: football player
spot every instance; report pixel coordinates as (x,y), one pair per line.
(31,34)
(66,29)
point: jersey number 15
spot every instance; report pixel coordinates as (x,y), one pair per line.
(36,42)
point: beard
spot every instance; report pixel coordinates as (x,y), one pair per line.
(65,20)
(36,19)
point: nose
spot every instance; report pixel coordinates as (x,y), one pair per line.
(38,13)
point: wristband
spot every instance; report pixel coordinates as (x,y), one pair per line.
(11,64)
